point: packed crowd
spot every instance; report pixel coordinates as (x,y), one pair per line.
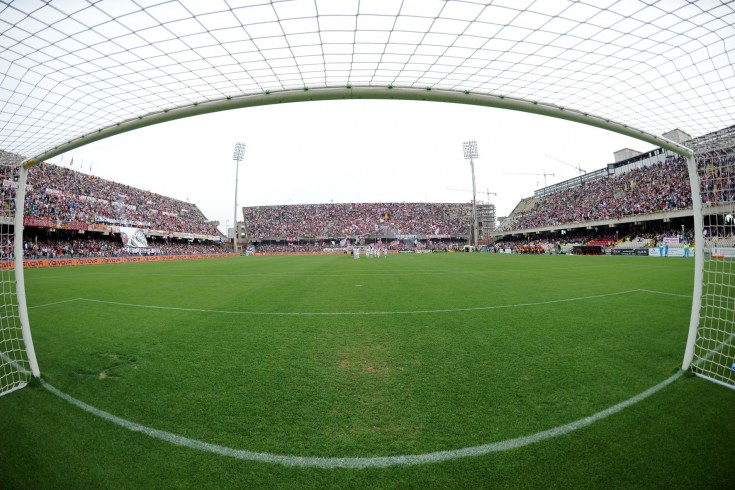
(651,236)
(526,245)
(61,194)
(323,245)
(717,175)
(51,248)
(336,220)
(287,248)
(659,187)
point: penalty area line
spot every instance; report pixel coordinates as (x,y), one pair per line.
(364,462)
(56,303)
(365,313)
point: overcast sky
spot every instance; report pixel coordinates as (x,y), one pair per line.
(349,151)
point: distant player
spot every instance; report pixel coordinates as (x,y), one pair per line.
(356,252)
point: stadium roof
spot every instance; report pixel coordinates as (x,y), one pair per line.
(74,71)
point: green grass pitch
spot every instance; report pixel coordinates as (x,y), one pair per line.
(331,357)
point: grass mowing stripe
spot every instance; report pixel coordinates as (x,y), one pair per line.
(374,462)
(338,313)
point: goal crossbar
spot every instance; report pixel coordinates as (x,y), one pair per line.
(360,93)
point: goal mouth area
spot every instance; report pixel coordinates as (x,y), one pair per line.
(380,384)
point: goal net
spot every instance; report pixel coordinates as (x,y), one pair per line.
(713,355)
(17,360)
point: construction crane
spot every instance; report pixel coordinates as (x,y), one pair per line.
(578,167)
(487,191)
(532,173)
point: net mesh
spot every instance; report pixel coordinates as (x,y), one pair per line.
(14,367)
(72,67)
(714,354)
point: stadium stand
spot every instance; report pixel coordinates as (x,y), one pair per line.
(71,214)
(635,243)
(601,242)
(61,194)
(384,220)
(655,188)
(649,192)
(70,247)
(61,202)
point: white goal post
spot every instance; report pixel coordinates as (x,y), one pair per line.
(17,355)
(710,349)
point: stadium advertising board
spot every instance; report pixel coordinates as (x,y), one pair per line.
(98,227)
(37,263)
(672,252)
(630,251)
(59,225)
(723,253)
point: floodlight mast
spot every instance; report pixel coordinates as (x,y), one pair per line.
(470,152)
(237,156)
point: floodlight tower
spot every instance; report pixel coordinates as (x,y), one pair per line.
(470,153)
(237,156)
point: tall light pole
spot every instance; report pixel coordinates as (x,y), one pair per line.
(237,156)
(470,153)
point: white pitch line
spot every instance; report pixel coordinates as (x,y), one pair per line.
(56,303)
(665,293)
(365,462)
(349,313)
